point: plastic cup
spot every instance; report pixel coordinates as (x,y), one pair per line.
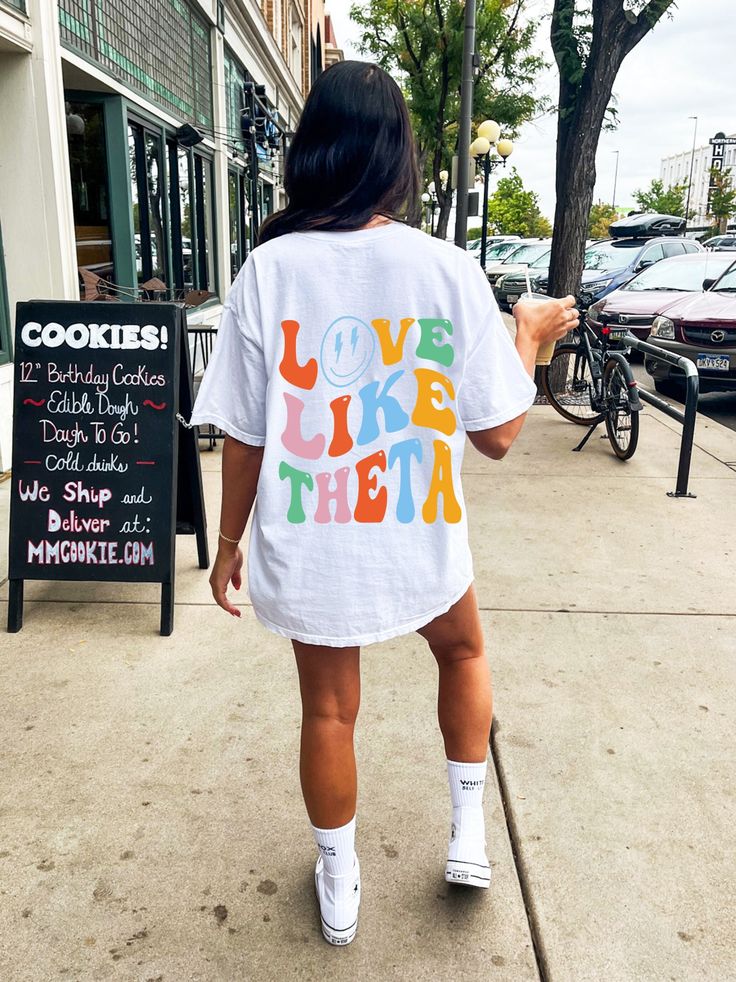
(545,352)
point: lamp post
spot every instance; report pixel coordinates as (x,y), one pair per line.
(615,180)
(466,112)
(430,195)
(692,165)
(425,201)
(487,140)
(431,187)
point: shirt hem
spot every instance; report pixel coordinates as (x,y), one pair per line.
(198,419)
(360,639)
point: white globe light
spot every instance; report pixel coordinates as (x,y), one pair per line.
(479,146)
(444,175)
(505,148)
(431,187)
(425,197)
(490,130)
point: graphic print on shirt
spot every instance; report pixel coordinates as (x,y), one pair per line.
(349,347)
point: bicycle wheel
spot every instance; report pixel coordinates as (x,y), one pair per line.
(568,387)
(622,424)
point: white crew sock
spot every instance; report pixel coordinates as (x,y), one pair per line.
(337,847)
(467,783)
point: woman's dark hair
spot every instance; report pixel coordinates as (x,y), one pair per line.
(352,156)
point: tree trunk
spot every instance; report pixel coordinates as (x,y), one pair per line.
(442,216)
(586,84)
(577,143)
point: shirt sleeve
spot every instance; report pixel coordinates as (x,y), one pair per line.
(495,386)
(232,395)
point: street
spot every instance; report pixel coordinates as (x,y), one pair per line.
(718,406)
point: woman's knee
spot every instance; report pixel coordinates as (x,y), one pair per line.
(329,683)
(452,652)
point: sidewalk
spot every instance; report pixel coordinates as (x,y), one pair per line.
(152,825)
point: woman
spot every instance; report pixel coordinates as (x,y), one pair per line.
(354,355)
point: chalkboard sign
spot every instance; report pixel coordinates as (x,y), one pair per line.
(97,458)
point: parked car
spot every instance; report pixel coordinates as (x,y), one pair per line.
(702,328)
(611,263)
(495,251)
(721,243)
(510,286)
(516,260)
(651,291)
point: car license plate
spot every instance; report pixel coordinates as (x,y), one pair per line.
(714,363)
(512,297)
(617,333)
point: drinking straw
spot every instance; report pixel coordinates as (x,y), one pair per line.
(528,284)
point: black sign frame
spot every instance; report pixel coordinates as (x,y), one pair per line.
(163,349)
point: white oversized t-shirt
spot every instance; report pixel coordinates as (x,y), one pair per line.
(358,359)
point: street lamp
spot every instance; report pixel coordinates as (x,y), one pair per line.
(431,197)
(615,180)
(692,164)
(488,139)
(425,201)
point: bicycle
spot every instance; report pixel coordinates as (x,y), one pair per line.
(593,383)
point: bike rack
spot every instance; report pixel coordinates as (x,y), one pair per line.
(687,418)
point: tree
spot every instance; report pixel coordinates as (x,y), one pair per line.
(722,198)
(601,216)
(590,40)
(656,199)
(512,210)
(420,42)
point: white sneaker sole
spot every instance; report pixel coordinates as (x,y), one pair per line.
(335,936)
(468,874)
(338,937)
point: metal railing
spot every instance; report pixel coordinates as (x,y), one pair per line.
(686,417)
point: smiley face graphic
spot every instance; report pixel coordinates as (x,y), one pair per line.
(347,351)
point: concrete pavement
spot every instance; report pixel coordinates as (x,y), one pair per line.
(152,826)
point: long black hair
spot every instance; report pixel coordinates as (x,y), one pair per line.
(352,156)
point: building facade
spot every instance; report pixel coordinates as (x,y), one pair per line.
(124,165)
(676,170)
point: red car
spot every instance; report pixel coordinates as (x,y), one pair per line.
(650,292)
(702,328)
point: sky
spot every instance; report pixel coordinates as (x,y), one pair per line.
(685,67)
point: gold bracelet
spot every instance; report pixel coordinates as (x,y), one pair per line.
(234,541)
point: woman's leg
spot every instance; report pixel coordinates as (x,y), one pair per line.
(464,699)
(329,681)
(465,709)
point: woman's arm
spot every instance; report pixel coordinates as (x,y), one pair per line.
(535,324)
(241,467)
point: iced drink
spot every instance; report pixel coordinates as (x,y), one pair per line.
(545,352)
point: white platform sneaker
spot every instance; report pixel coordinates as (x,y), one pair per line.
(467,862)
(339,900)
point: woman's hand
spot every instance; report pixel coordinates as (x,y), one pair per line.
(541,322)
(225,571)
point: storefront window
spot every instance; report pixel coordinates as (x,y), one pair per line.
(185,205)
(266,200)
(181,217)
(183,233)
(205,232)
(156,219)
(239,226)
(85,128)
(191,209)
(144,149)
